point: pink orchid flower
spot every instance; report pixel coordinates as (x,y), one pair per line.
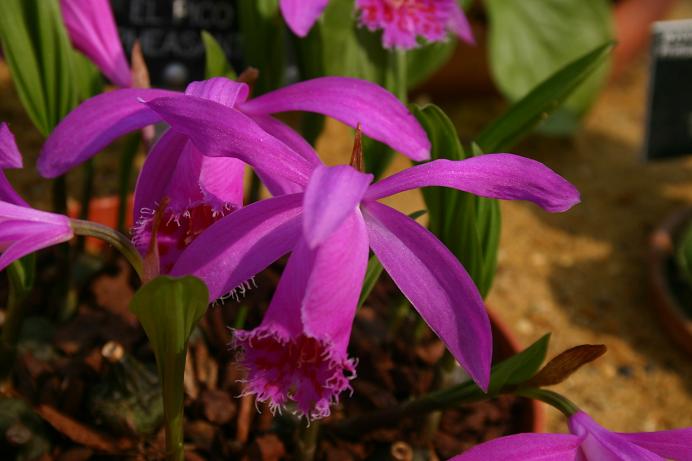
(249,128)
(588,441)
(247,241)
(23,230)
(201,189)
(92,30)
(402,21)
(197,191)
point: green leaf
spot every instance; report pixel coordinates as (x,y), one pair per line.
(372,274)
(504,377)
(217,64)
(263,32)
(337,45)
(38,52)
(542,101)
(468,225)
(87,77)
(520,367)
(529,41)
(169,309)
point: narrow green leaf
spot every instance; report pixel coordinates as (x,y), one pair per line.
(529,41)
(468,225)
(520,367)
(263,32)
(39,54)
(217,64)
(372,274)
(503,377)
(169,309)
(542,101)
(87,77)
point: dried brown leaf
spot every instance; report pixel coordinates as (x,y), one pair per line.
(566,363)
(82,434)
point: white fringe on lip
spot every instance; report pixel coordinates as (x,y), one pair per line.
(238,292)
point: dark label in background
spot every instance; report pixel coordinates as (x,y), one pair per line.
(169,31)
(669,119)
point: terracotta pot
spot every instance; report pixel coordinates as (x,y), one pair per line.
(468,71)
(102,210)
(662,250)
(505,345)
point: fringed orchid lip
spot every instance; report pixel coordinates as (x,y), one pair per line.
(403,21)
(305,371)
(298,355)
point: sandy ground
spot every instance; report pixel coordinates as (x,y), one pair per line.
(581,275)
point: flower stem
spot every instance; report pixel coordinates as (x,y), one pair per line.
(307,444)
(87,193)
(401,75)
(113,237)
(562,403)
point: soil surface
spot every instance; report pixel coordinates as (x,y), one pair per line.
(581,275)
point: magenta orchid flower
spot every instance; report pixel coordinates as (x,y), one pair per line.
(247,241)
(188,190)
(248,126)
(402,21)
(92,30)
(201,189)
(588,441)
(298,353)
(23,230)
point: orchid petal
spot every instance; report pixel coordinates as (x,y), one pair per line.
(331,195)
(285,134)
(243,243)
(221,181)
(437,285)
(501,176)
(217,130)
(525,447)
(674,444)
(29,237)
(92,29)
(12,212)
(219,89)
(8,194)
(300,15)
(93,125)
(10,157)
(158,170)
(601,444)
(288,136)
(321,285)
(459,24)
(352,101)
